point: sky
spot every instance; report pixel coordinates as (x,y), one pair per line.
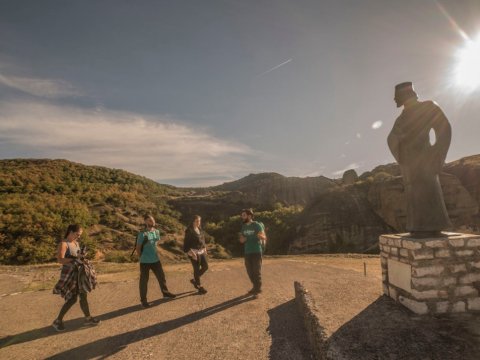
(197,93)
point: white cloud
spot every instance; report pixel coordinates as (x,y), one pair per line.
(154,147)
(353,166)
(377,125)
(45,88)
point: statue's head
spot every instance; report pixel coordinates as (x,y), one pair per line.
(403,92)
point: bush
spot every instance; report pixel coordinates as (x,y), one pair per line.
(381,176)
(219,252)
(279,224)
(171,243)
(120,256)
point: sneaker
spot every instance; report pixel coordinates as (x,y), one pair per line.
(194,283)
(202,290)
(58,325)
(168,294)
(146,304)
(91,321)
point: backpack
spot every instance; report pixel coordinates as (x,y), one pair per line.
(145,239)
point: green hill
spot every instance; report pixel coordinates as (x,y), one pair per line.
(39,198)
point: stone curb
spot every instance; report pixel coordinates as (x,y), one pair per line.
(315,332)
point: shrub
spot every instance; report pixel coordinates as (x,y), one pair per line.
(120,256)
(219,252)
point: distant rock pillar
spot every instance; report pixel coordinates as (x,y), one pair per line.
(349,177)
(432,275)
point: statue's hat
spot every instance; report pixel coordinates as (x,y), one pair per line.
(404,91)
(407,85)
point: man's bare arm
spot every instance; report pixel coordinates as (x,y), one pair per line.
(242,238)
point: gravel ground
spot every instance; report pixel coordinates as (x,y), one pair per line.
(358,322)
(223,324)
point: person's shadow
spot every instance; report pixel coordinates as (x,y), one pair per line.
(77,324)
(108,346)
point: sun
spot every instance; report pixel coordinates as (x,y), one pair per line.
(467,68)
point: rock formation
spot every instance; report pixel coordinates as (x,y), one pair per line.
(339,221)
(387,198)
(350,218)
(349,177)
(270,188)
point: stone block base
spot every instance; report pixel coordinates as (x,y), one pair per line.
(434,275)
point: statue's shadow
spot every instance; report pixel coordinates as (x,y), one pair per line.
(386,330)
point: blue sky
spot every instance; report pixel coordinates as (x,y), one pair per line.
(191,92)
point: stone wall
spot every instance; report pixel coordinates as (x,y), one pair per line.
(436,275)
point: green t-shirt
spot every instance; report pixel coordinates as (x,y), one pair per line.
(149,253)
(250,231)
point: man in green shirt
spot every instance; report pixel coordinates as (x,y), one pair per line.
(252,235)
(149,260)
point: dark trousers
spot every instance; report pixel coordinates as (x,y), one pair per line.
(144,275)
(200,266)
(68,304)
(253,263)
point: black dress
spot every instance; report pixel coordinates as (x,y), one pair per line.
(195,242)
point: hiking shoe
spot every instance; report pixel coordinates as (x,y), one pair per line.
(194,283)
(202,290)
(58,325)
(146,304)
(91,321)
(168,294)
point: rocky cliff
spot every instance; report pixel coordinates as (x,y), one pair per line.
(263,191)
(387,199)
(341,220)
(352,216)
(270,188)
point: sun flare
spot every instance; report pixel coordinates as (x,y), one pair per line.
(467,69)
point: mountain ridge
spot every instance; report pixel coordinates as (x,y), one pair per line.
(39,197)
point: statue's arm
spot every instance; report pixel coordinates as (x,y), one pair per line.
(443,136)
(393,141)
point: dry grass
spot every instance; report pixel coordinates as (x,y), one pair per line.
(43,277)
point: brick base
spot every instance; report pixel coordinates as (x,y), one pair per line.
(434,275)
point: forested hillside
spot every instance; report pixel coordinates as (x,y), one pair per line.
(39,198)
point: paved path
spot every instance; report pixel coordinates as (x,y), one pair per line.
(223,324)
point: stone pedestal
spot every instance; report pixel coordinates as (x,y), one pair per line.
(432,276)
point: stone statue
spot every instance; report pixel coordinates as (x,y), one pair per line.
(420,161)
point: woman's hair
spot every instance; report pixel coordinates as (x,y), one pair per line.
(194,217)
(72,228)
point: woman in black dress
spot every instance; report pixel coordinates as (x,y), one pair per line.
(194,246)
